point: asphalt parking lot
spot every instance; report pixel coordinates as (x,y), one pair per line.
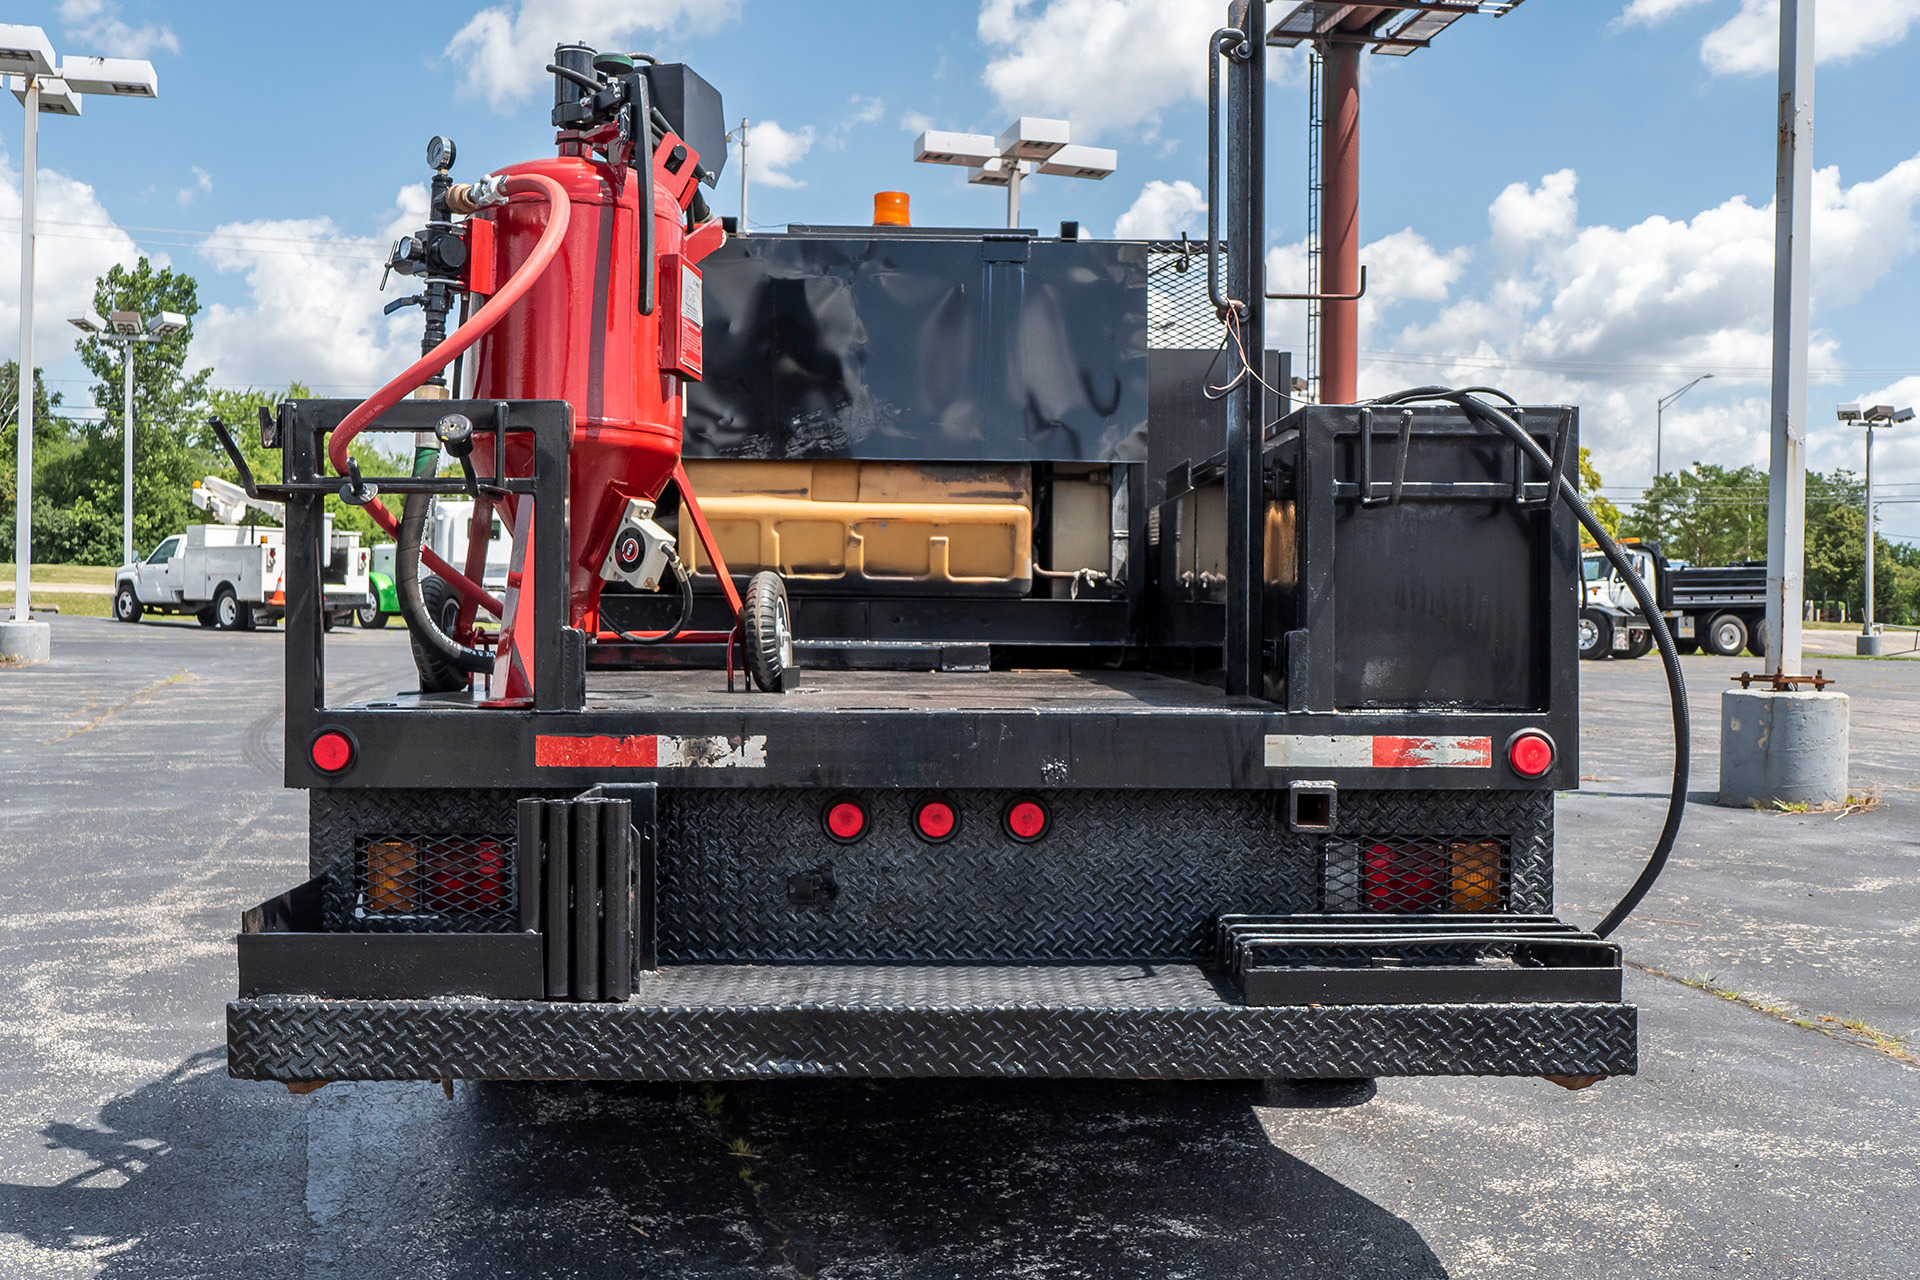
(1774,1129)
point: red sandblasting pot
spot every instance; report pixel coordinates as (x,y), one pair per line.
(579,336)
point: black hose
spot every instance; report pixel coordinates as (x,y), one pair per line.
(686,611)
(1481,411)
(406,572)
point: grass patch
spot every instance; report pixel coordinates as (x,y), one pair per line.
(1853,804)
(1848,1030)
(75,605)
(97,575)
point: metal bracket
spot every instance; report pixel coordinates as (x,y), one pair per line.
(1367,495)
(1325,297)
(1780,683)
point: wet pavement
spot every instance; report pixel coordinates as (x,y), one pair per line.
(140,811)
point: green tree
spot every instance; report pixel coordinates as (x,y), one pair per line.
(1605,512)
(1706,514)
(50,433)
(81,484)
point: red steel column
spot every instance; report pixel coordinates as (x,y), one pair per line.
(1340,223)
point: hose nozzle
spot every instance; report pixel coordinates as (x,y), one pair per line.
(471,197)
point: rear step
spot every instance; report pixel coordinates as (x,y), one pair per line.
(1398,959)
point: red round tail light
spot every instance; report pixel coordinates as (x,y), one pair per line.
(845,820)
(332,751)
(1025,820)
(1530,752)
(936,820)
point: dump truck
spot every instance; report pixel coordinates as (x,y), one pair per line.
(1719,608)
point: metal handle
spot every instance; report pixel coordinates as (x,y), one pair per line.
(1367,498)
(1232,42)
(1325,297)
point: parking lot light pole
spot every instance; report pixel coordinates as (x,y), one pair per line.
(1884,415)
(1659,411)
(127,331)
(27,55)
(1028,146)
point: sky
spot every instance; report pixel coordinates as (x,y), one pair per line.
(1573,201)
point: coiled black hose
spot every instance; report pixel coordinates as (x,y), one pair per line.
(406,574)
(680,624)
(1472,401)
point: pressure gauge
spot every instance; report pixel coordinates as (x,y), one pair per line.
(440,153)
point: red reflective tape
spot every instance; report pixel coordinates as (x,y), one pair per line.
(641,751)
(1427,753)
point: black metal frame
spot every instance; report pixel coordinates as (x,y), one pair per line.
(302,427)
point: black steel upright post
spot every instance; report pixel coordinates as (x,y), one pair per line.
(1246,282)
(301,447)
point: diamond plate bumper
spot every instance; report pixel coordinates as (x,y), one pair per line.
(717,1022)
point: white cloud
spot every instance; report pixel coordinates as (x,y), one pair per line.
(98,24)
(917,122)
(313,311)
(773,149)
(866,110)
(1646,13)
(504,49)
(1611,318)
(76,242)
(201,185)
(1162,211)
(1749,42)
(1105,64)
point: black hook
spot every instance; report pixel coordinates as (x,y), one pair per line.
(357,491)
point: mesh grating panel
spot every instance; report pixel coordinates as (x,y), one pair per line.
(413,883)
(1398,874)
(1180,315)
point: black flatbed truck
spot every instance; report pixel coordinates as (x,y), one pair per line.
(1273,798)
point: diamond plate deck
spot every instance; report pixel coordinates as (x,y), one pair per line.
(709,1022)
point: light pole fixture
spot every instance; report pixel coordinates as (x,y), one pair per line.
(1881,415)
(1028,146)
(1659,412)
(1339,34)
(127,330)
(41,84)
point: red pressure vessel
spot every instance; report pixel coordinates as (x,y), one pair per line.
(578,335)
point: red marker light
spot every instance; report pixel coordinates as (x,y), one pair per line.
(1026,820)
(936,820)
(1530,753)
(846,821)
(331,751)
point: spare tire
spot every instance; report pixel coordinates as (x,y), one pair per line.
(437,675)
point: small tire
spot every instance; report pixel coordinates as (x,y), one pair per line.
(1726,635)
(768,621)
(437,675)
(1596,635)
(370,618)
(126,604)
(228,612)
(1637,647)
(1757,637)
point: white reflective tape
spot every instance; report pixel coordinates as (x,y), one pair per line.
(1309,751)
(1377,751)
(711,753)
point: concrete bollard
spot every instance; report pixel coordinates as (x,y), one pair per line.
(25,641)
(1789,747)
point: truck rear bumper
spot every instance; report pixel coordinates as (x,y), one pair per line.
(721,1022)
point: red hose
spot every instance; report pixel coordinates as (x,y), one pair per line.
(474,329)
